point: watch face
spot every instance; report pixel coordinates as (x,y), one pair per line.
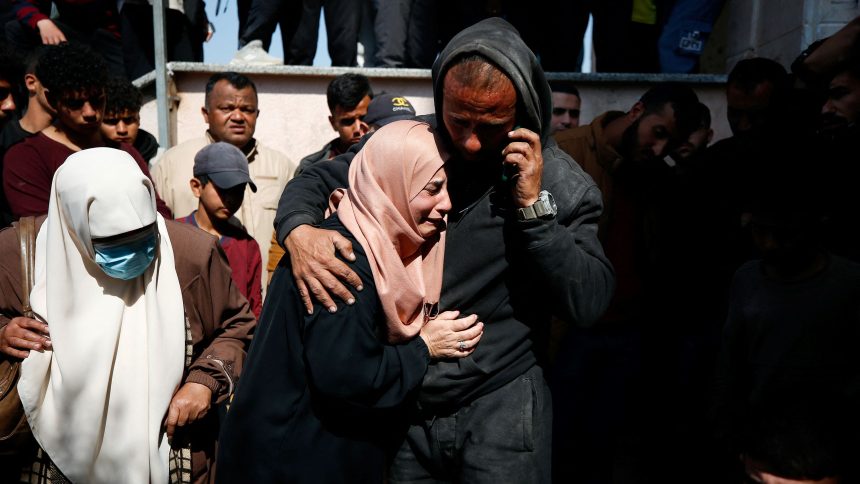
(543,207)
(547,201)
(552,203)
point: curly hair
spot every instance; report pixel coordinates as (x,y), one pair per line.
(67,69)
(122,96)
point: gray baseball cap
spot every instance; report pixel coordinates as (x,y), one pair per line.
(224,164)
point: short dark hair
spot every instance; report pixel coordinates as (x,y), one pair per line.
(67,68)
(704,116)
(566,87)
(11,69)
(794,437)
(239,81)
(749,73)
(347,91)
(681,98)
(121,95)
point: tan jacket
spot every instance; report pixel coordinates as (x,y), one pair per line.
(588,147)
(220,319)
(270,170)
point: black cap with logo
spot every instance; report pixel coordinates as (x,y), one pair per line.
(387,108)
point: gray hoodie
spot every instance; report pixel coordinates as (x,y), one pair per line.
(515,275)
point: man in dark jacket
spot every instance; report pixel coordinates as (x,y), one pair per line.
(513,256)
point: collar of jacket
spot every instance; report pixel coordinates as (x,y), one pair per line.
(250,150)
(607,157)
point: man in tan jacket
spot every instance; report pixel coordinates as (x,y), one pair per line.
(231,111)
(656,123)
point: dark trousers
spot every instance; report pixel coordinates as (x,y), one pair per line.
(243,9)
(138,44)
(342,21)
(503,436)
(594,382)
(422,37)
(561,50)
(390,25)
(24,40)
(299,20)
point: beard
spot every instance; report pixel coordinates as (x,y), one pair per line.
(630,141)
(832,125)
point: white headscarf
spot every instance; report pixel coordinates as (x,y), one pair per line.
(96,403)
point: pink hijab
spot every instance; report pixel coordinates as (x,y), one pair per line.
(392,168)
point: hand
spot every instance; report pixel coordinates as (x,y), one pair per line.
(209,27)
(22,335)
(189,405)
(316,269)
(444,335)
(50,33)
(524,154)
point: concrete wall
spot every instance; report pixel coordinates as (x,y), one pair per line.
(781,29)
(293,116)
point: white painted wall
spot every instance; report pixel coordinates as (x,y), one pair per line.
(781,29)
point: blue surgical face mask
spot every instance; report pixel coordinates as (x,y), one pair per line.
(127,258)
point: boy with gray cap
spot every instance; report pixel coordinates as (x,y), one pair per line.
(220,175)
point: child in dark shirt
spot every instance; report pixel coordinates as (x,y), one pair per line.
(220,175)
(794,316)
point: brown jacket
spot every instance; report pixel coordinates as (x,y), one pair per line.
(587,146)
(219,316)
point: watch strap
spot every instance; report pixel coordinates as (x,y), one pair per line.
(527,213)
(541,208)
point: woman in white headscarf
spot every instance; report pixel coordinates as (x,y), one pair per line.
(132,361)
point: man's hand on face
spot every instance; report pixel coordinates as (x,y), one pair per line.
(316,269)
(523,158)
(23,335)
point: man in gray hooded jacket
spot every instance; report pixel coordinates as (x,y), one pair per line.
(514,256)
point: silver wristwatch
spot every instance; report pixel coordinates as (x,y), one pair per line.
(544,207)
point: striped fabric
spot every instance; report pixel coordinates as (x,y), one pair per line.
(76,13)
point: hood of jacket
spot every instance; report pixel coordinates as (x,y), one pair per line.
(499,41)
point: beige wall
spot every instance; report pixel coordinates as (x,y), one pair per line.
(293,110)
(294,113)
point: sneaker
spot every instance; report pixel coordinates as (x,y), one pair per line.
(253,54)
